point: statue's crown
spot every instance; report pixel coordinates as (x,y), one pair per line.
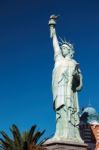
(64,42)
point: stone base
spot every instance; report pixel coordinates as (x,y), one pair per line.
(65,146)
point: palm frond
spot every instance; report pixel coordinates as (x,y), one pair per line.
(6,137)
(37,136)
(31,134)
(4,144)
(25,136)
(16,135)
(43,141)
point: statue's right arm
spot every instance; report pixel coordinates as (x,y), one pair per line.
(57,50)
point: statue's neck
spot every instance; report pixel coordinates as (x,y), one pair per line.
(68,57)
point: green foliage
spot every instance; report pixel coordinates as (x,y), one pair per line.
(29,140)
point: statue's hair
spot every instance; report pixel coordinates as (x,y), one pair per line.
(62,42)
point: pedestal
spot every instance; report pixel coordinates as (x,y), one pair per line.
(65,146)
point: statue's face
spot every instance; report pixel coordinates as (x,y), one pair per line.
(65,50)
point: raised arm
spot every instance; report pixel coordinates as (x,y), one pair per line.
(52,24)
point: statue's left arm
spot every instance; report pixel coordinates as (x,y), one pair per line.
(77,82)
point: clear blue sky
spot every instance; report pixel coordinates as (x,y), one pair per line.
(26,58)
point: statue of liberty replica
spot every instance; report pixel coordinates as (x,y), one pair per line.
(66,83)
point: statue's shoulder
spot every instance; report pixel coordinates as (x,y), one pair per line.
(74,61)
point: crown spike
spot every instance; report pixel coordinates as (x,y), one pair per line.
(65,42)
(61,39)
